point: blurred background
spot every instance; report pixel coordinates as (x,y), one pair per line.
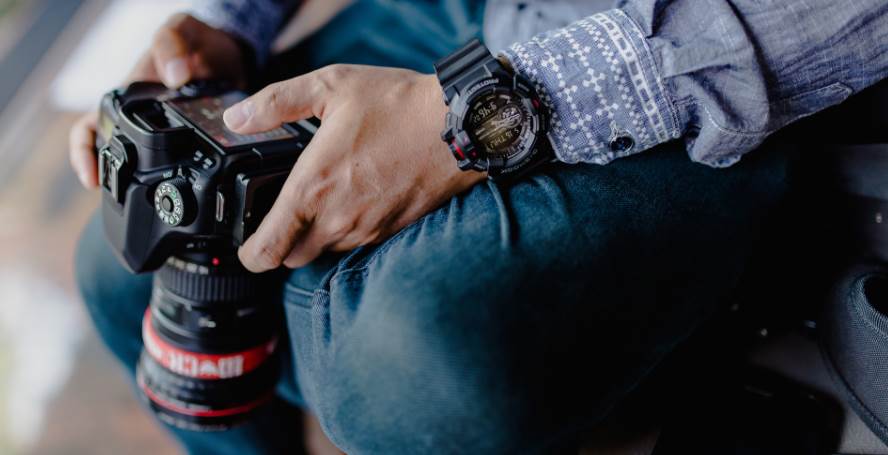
(60,391)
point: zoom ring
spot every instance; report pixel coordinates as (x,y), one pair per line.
(199,283)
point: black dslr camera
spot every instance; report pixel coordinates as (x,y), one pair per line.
(180,193)
(176,179)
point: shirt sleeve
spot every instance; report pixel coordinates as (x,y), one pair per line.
(720,74)
(256,22)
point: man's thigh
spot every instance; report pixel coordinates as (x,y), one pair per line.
(546,300)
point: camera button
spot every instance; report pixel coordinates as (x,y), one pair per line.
(220,206)
(172,201)
(167,203)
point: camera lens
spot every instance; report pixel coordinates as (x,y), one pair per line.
(209,333)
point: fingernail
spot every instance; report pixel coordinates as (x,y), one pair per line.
(236,116)
(175,72)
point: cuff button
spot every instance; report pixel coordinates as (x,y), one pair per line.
(621,144)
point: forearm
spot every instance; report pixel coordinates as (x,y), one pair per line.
(255,22)
(721,75)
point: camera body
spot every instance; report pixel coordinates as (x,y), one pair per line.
(174,179)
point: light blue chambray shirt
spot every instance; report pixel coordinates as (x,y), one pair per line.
(719,74)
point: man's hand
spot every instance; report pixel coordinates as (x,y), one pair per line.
(376,164)
(183,49)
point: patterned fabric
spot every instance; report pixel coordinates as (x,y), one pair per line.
(721,74)
(600,86)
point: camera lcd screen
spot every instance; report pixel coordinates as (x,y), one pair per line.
(206,114)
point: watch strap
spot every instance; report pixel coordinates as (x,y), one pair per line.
(467,65)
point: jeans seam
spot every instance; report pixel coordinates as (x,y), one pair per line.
(312,295)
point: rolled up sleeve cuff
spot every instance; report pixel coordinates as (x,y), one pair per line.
(600,81)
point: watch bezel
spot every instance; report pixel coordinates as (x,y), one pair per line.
(460,106)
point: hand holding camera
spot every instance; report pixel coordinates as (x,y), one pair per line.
(376,164)
(183,49)
(182,191)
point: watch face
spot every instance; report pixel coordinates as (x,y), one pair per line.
(499,123)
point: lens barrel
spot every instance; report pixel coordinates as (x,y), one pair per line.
(210,334)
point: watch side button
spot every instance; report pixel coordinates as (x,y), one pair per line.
(457,151)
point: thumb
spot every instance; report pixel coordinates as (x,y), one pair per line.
(170,52)
(287,101)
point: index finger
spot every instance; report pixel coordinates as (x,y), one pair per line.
(286,101)
(170,52)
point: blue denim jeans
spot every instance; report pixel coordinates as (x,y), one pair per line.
(508,320)
(502,322)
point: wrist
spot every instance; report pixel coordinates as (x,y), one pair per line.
(437,111)
(507,64)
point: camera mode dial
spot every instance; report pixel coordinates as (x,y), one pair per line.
(172,201)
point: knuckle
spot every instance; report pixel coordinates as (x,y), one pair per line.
(330,76)
(315,191)
(336,70)
(274,101)
(338,227)
(267,256)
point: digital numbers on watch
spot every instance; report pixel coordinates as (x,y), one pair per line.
(497,121)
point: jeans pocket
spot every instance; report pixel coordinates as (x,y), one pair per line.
(297,296)
(306,313)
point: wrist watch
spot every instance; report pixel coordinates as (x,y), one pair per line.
(496,122)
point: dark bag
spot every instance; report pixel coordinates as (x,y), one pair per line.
(854,325)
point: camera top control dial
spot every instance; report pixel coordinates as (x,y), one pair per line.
(172,201)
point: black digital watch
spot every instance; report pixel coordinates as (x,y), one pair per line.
(496,122)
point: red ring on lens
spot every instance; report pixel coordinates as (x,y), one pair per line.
(200,365)
(242,409)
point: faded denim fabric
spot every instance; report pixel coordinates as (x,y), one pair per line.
(510,320)
(722,75)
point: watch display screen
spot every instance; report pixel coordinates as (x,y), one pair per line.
(497,121)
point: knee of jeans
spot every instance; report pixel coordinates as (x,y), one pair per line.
(423,379)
